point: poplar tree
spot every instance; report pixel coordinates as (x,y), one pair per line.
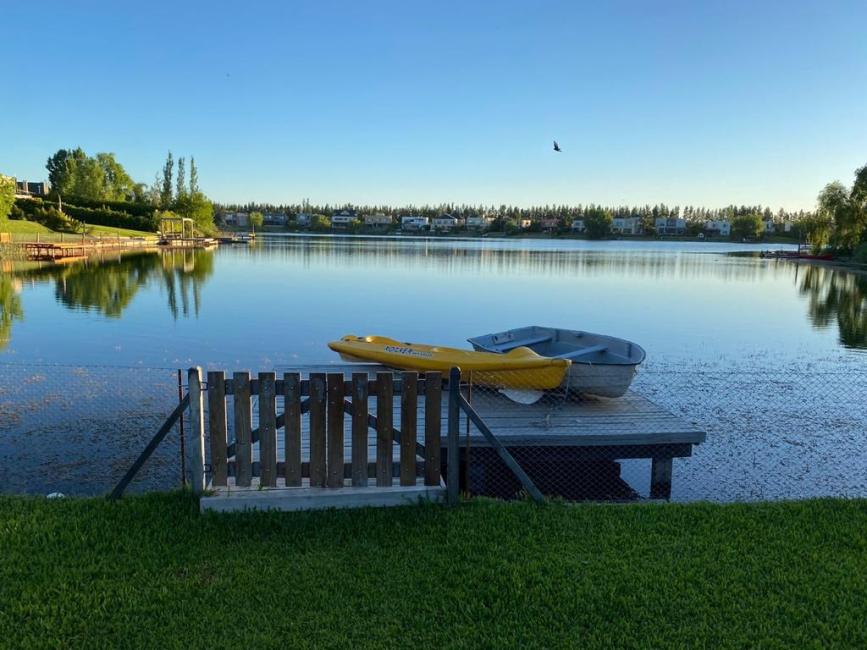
(182,180)
(194,176)
(166,192)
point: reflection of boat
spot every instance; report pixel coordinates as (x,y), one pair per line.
(520,368)
(601,365)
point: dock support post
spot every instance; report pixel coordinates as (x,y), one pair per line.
(196,448)
(660,478)
(452,452)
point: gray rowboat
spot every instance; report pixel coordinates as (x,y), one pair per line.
(601,365)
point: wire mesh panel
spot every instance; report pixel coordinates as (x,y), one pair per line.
(77,429)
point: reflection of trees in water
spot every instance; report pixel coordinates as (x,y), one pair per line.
(456,257)
(838,296)
(10,307)
(108,287)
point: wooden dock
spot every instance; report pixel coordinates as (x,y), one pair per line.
(78,250)
(558,435)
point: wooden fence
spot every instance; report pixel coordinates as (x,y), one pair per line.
(380,447)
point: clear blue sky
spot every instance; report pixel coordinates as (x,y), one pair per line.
(372,102)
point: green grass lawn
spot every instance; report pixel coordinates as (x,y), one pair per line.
(22,227)
(151,572)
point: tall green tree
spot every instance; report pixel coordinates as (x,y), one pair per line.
(166,190)
(836,204)
(256,219)
(194,176)
(7,196)
(182,180)
(61,169)
(597,222)
(119,186)
(748,226)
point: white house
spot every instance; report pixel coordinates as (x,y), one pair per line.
(343,218)
(414,223)
(578,225)
(477,222)
(378,220)
(275,219)
(722,227)
(303,219)
(241,219)
(670,225)
(626,226)
(550,224)
(770,225)
(524,223)
(445,222)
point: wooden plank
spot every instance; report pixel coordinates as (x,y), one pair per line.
(317,429)
(268,428)
(384,422)
(196,444)
(453,451)
(217,426)
(292,437)
(660,478)
(359,429)
(243,425)
(408,418)
(432,426)
(335,430)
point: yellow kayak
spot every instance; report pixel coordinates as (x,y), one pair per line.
(520,368)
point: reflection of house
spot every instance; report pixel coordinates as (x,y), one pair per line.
(722,227)
(445,222)
(377,220)
(626,226)
(303,219)
(477,222)
(578,225)
(414,223)
(342,219)
(670,225)
(275,219)
(28,188)
(550,224)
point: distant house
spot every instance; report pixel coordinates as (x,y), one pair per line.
(670,225)
(303,219)
(523,224)
(343,218)
(627,226)
(240,219)
(477,222)
(414,223)
(578,226)
(721,227)
(377,220)
(28,188)
(275,219)
(446,222)
(550,224)
(770,225)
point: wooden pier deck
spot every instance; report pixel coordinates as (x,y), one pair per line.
(557,429)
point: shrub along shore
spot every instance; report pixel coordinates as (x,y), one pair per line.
(150,571)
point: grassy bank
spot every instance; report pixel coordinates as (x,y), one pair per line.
(151,572)
(23,227)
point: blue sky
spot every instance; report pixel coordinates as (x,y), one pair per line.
(412,102)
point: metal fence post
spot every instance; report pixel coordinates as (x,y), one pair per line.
(196,447)
(452,451)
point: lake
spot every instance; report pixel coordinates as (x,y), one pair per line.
(708,315)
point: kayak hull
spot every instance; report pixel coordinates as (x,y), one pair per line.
(519,369)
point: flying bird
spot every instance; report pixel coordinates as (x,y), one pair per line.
(557,146)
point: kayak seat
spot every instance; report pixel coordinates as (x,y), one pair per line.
(582,353)
(519,343)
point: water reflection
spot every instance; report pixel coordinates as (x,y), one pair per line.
(10,306)
(838,296)
(108,287)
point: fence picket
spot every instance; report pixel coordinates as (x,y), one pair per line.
(292,436)
(217,427)
(384,425)
(243,424)
(359,429)
(432,427)
(335,430)
(408,415)
(317,429)
(268,429)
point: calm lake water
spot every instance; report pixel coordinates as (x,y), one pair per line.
(708,315)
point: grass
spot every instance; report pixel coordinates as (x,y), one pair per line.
(22,227)
(151,572)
